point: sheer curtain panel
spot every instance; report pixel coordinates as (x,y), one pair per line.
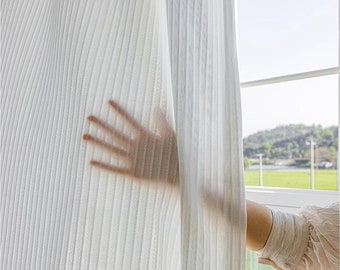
(174,61)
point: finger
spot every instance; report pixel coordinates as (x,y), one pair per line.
(164,128)
(106,146)
(111,168)
(117,134)
(129,119)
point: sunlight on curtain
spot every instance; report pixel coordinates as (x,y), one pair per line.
(63,61)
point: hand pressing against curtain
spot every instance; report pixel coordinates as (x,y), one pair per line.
(153,158)
(146,156)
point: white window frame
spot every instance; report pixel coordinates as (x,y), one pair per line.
(288,199)
(300,76)
(285,198)
(292,199)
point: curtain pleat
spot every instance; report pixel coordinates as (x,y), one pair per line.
(63,61)
(208,117)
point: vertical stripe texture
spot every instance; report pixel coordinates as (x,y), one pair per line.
(62,61)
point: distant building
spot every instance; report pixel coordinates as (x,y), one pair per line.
(325,165)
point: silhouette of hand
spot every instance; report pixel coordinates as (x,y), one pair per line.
(146,155)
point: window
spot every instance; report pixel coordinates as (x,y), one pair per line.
(277,38)
(288,62)
(288,55)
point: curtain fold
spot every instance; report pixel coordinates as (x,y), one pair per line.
(63,61)
(208,117)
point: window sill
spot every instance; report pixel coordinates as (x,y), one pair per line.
(290,200)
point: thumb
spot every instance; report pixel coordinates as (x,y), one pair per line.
(213,201)
(219,206)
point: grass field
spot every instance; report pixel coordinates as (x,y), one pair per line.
(324,179)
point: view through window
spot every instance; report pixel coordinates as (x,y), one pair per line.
(290,126)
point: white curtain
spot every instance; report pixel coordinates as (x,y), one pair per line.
(63,61)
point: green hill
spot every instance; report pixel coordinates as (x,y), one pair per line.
(289,142)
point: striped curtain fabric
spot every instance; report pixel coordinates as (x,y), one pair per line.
(62,62)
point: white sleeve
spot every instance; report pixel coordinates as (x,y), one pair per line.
(287,241)
(308,241)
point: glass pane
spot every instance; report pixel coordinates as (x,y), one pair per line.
(279,122)
(277,38)
(252,264)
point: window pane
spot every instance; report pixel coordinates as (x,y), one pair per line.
(308,101)
(276,38)
(284,118)
(252,263)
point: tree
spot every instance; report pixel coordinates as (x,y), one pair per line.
(267,149)
(246,162)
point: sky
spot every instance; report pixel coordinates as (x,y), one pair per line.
(277,38)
